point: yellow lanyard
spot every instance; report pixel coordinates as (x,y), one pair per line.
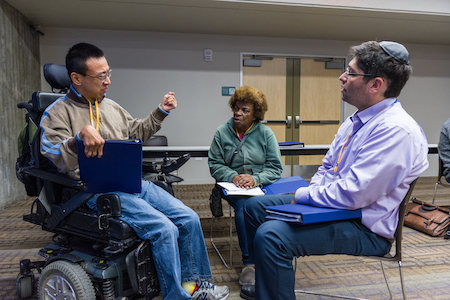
(340,153)
(97,112)
(245,131)
(342,148)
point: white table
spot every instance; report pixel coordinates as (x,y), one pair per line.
(202,151)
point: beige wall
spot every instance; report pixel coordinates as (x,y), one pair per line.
(19,77)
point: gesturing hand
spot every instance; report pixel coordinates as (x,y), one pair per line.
(169,102)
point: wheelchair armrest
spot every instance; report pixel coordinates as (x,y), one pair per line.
(176,164)
(55,177)
(109,204)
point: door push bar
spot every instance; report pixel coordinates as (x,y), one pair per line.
(288,121)
(298,121)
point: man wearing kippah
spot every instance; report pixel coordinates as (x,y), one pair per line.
(377,153)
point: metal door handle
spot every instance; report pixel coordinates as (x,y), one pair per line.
(298,121)
(288,121)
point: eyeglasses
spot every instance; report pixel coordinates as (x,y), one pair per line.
(102,77)
(347,71)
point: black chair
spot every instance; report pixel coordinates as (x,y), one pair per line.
(439,177)
(157,140)
(93,254)
(397,256)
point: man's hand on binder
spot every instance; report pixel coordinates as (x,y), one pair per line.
(93,142)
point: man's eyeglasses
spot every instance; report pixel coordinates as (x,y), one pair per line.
(347,71)
(102,77)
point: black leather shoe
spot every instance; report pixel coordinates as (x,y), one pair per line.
(248,292)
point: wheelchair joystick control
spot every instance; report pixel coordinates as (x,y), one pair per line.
(166,161)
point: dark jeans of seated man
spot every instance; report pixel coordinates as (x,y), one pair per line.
(273,245)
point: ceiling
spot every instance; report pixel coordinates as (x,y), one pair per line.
(287,19)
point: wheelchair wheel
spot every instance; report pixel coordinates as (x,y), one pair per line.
(65,280)
(25,286)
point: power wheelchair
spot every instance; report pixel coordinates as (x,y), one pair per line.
(94,255)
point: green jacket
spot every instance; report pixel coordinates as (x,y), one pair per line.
(259,156)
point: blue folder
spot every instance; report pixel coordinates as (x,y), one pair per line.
(291,143)
(307,214)
(118,170)
(285,185)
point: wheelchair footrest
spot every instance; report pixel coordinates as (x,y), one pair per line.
(142,271)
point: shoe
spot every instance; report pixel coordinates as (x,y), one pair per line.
(209,291)
(247,276)
(248,292)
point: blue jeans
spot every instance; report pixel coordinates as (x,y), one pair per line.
(238,203)
(174,232)
(273,245)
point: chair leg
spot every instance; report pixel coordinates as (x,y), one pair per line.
(385,280)
(329,295)
(435,191)
(345,297)
(231,237)
(401,279)
(231,242)
(322,294)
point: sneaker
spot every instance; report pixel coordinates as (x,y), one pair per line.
(247,276)
(209,291)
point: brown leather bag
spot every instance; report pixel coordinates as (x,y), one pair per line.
(428,218)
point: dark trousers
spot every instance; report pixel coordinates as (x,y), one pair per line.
(273,245)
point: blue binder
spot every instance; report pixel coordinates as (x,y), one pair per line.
(291,143)
(285,185)
(118,170)
(307,214)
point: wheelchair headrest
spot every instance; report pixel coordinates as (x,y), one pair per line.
(57,77)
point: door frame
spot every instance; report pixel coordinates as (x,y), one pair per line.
(299,56)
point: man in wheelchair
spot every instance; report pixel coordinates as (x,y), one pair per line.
(173,230)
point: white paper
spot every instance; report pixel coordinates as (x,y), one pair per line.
(230,189)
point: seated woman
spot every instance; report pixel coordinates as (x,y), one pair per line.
(257,162)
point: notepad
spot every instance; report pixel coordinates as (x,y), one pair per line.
(307,214)
(118,170)
(230,189)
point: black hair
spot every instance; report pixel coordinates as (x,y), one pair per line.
(78,55)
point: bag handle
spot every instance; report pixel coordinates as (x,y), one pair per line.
(429,207)
(238,148)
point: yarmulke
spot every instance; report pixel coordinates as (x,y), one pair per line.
(396,50)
